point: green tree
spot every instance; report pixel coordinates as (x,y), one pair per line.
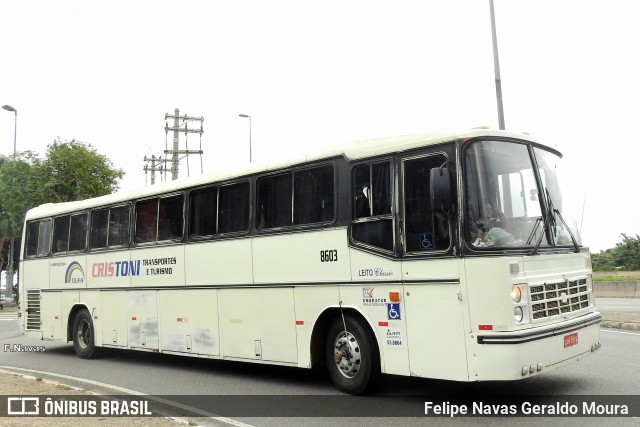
(603,261)
(75,171)
(625,256)
(70,171)
(21,189)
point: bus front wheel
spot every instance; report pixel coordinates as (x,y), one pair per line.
(351,355)
(83,335)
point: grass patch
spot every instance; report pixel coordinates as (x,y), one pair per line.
(615,278)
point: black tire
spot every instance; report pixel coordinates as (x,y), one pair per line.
(352,357)
(83,336)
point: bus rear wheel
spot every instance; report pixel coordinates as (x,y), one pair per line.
(351,355)
(83,335)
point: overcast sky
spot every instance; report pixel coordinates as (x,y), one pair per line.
(314,73)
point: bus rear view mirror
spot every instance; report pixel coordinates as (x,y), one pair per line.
(440,188)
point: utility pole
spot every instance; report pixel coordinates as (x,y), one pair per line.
(10,274)
(155,167)
(159,163)
(177,128)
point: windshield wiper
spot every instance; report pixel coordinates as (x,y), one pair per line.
(550,221)
(533,231)
(573,239)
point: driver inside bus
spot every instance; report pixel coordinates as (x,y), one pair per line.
(489,229)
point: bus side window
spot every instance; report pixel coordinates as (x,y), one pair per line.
(98,233)
(373,223)
(233,209)
(203,210)
(39,237)
(313,195)
(146,221)
(32,238)
(44,237)
(170,218)
(61,234)
(274,201)
(78,232)
(119,219)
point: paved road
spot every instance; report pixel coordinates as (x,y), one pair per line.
(613,370)
(627,305)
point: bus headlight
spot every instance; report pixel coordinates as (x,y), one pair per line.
(518,314)
(516,294)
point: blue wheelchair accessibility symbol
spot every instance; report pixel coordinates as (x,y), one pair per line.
(393,311)
(426,241)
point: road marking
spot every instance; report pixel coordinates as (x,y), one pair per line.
(133,392)
(620,332)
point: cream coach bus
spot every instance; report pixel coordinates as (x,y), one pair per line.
(442,256)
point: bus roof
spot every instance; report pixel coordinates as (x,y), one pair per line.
(351,151)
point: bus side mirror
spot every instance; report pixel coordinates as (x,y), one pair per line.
(440,188)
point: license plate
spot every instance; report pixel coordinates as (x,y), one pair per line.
(571,339)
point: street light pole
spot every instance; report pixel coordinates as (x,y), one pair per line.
(9,279)
(496,66)
(15,126)
(249,117)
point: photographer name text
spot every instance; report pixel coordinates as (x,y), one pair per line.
(19,348)
(524,409)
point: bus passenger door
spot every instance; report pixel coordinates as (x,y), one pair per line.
(434,309)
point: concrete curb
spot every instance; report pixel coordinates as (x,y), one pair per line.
(620,325)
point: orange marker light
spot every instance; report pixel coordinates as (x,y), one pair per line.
(394,296)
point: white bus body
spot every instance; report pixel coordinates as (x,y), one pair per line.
(371,268)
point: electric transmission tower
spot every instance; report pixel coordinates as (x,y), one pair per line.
(181,124)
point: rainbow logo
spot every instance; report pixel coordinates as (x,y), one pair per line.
(72,268)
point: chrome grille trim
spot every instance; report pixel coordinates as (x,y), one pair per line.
(559,298)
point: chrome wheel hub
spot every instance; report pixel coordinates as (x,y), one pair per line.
(347,354)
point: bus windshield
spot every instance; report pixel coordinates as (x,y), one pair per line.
(505,206)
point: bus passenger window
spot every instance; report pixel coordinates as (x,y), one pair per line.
(119,226)
(313,195)
(38,237)
(203,209)
(61,234)
(109,227)
(78,233)
(170,220)
(44,237)
(233,211)
(32,238)
(98,234)
(146,221)
(302,197)
(274,201)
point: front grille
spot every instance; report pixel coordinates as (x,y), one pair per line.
(33,310)
(555,299)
